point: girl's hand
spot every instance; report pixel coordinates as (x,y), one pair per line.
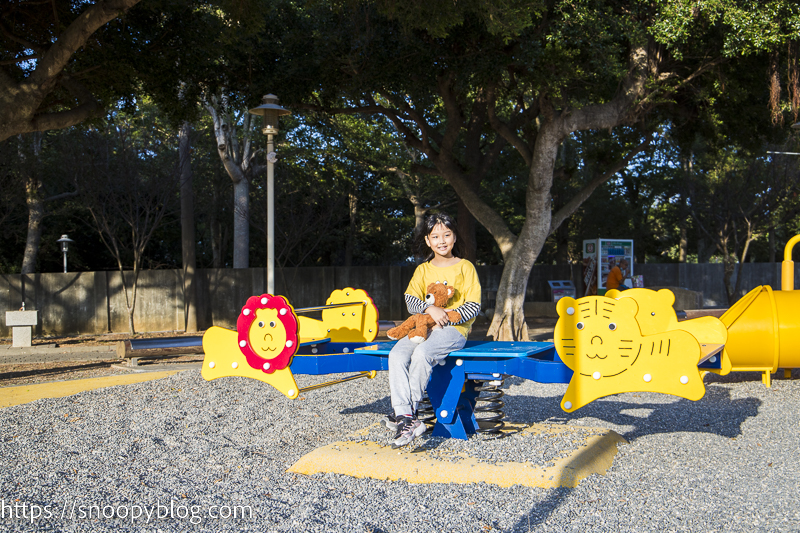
(438,315)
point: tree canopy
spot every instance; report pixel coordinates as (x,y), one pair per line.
(511,113)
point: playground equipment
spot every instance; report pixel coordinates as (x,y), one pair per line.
(761,330)
(267,337)
(272,346)
(764,326)
(602,340)
(655,314)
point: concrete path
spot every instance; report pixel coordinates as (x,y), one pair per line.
(28,393)
(51,353)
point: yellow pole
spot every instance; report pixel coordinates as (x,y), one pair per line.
(787,266)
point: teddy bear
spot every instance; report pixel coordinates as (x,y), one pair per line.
(418,326)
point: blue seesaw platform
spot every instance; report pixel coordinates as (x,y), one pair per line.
(453,403)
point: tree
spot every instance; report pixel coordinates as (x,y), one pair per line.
(33,170)
(64,62)
(128,194)
(234,135)
(39,90)
(737,198)
(188,240)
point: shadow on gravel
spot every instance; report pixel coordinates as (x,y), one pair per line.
(55,370)
(378,407)
(716,413)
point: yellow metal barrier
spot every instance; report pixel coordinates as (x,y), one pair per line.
(787,266)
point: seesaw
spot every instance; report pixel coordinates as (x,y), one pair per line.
(599,350)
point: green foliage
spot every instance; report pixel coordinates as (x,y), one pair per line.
(339,195)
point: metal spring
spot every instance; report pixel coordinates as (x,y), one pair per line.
(425,412)
(489,402)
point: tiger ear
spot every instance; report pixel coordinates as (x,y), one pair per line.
(627,306)
(666,297)
(566,306)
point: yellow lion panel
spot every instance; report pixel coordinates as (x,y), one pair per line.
(224,358)
(354,323)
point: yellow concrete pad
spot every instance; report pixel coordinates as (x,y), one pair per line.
(592,454)
(27,393)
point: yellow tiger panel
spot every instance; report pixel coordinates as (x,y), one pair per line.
(600,340)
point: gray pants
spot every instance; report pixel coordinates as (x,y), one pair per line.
(410,366)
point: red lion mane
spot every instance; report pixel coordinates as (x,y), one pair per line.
(285,315)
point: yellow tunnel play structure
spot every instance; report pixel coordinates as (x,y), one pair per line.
(764,325)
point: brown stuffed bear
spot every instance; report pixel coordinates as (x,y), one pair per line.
(417,326)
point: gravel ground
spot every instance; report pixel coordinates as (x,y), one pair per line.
(728,462)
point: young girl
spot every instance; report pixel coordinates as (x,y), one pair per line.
(411,364)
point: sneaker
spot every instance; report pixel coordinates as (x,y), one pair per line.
(390,423)
(408,429)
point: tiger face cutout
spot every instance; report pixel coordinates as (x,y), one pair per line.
(600,339)
(597,336)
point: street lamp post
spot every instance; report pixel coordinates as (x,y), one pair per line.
(64,241)
(270,110)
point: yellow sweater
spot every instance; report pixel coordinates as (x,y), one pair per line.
(462,276)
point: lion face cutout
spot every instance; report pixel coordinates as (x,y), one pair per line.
(597,336)
(267,332)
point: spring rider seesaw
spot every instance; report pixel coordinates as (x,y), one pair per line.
(761,331)
(597,337)
(269,335)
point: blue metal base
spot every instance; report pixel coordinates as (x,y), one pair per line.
(453,403)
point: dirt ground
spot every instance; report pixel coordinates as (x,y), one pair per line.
(31,373)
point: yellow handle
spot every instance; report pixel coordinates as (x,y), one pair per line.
(787,266)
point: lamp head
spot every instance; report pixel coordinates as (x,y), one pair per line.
(270,110)
(64,241)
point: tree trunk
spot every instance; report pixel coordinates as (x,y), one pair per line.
(35,205)
(684,243)
(241,224)
(236,161)
(508,323)
(730,267)
(466,230)
(562,245)
(351,232)
(188,253)
(771,245)
(35,216)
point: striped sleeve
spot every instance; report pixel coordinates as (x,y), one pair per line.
(415,305)
(468,311)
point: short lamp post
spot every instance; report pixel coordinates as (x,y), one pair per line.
(270,110)
(64,241)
